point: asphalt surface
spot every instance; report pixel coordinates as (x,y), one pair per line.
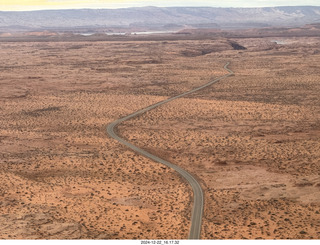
(197,210)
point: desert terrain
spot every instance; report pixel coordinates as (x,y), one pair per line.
(251,140)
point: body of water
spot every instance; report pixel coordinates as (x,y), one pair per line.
(127,33)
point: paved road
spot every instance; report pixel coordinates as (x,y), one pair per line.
(197,210)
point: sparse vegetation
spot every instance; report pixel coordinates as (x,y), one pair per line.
(252,140)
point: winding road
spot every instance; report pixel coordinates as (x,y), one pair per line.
(197,210)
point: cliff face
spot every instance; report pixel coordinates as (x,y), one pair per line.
(161,17)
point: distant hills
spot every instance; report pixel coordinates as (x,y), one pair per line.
(155,18)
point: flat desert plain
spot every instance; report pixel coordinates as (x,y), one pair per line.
(252,140)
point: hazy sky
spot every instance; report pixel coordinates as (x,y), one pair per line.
(67,4)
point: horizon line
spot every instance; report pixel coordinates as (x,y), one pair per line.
(153,6)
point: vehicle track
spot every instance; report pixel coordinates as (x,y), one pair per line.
(197,210)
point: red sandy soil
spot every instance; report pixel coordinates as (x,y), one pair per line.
(252,140)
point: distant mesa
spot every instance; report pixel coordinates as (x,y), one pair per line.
(159,19)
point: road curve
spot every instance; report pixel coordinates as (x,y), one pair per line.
(197,210)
